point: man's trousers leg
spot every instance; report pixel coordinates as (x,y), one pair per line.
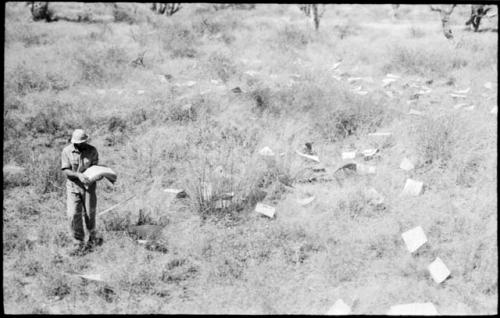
(74,213)
(90,210)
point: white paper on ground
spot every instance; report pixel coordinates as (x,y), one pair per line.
(365,169)
(380,134)
(458,96)
(393,75)
(470,107)
(438,270)
(457,106)
(494,110)
(374,196)
(314,158)
(406,164)
(306,201)
(369,152)
(339,308)
(413,309)
(415,112)
(362,93)
(266,151)
(488,85)
(387,81)
(348,155)
(334,66)
(174,191)
(414,238)
(265,209)
(140,92)
(412,187)
(95,277)
(463,91)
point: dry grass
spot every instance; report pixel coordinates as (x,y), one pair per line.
(227,259)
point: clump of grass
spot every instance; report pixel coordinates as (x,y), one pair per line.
(221,65)
(419,60)
(179,39)
(416,32)
(436,139)
(101,64)
(292,37)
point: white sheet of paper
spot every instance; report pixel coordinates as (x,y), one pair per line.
(339,308)
(414,238)
(406,164)
(439,271)
(265,209)
(413,187)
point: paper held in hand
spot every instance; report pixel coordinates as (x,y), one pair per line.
(96,173)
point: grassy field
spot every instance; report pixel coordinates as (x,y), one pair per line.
(160,132)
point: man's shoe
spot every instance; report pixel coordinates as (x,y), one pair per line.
(93,242)
(78,250)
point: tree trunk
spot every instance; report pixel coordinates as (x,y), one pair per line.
(315,16)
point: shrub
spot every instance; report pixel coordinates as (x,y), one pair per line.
(292,36)
(178,39)
(221,65)
(435,139)
(101,64)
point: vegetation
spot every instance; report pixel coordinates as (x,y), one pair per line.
(158,98)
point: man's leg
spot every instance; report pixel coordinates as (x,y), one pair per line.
(74,214)
(90,213)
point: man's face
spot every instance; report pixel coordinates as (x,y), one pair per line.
(80,146)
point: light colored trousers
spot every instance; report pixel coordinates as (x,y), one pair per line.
(82,205)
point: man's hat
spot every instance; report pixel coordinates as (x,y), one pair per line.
(79,136)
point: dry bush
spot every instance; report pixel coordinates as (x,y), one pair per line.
(101,64)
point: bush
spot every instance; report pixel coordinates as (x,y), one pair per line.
(179,39)
(101,64)
(221,65)
(435,139)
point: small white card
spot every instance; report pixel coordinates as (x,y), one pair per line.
(413,187)
(413,309)
(265,209)
(439,271)
(339,308)
(414,238)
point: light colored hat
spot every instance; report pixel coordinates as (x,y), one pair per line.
(79,136)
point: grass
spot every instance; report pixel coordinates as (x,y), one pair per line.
(224,257)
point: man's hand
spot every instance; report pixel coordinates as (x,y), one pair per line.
(83,178)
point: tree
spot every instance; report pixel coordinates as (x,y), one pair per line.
(316,15)
(41,11)
(477,13)
(168,8)
(445,12)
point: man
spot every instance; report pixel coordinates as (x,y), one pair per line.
(81,196)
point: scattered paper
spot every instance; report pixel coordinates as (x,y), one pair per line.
(140,92)
(380,134)
(339,308)
(415,112)
(357,88)
(463,91)
(414,238)
(458,96)
(314,158)
(334,66)
(265,209)
(393,75)
(374,197)
(470,108)
(162,79)
(494,110)
(406,164)
(457,106)
(100,91)
(390,94)
(338,78)
(353,79)
(365,169)
(251,72)
(266,151)
(369,152)
(142,241)
(413,309)
(413,187)
(94,277)
(424,92)
(387,81)
(306,201)
(214,82)
(362,93)
(439,271)
(348,155)
(488,85)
